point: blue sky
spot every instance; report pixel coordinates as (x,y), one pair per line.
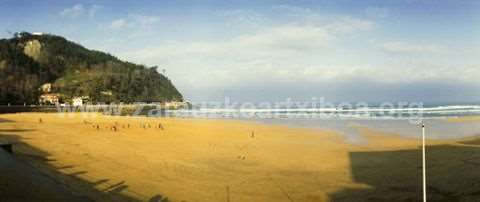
(405,50)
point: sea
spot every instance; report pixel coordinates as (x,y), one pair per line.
(405,120)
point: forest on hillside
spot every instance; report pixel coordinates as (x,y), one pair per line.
(27,61)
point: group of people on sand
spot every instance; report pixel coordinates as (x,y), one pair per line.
(116,125)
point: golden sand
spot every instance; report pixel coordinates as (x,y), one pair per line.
(202,160)
(465,119)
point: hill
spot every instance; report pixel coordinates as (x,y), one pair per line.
(29,60)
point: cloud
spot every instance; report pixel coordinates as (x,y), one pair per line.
(144,20)
(290,10)
(93,10)
(282,41)
(74,11)
(78,10)
(377,12)
(242,17)
(290,51)
(405,47)
(274,41)
(134,21)
(286,37)
(303,57)
(349,24)
(118,24)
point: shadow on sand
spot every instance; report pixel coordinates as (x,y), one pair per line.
(452,174)
(28,175)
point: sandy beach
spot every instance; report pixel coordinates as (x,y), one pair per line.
(109,158)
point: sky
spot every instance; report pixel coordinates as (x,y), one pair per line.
(345,50)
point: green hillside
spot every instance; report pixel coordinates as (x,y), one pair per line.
(27,61)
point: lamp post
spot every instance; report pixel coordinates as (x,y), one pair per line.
(424,169)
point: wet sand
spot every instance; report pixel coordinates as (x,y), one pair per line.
(134,158)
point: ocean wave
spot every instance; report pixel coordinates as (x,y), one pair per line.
(376,113)
(453,108)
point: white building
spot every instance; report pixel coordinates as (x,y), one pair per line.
(77,101)
(49,99)
(46,88)
(176,104)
